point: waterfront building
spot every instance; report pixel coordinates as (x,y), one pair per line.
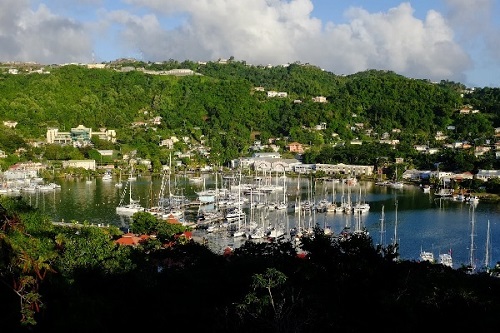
(355,170)
(85,164)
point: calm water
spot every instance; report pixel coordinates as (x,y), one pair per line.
(423,221)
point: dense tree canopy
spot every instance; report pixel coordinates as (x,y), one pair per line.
(222,106)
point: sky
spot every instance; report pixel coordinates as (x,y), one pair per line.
(454,40)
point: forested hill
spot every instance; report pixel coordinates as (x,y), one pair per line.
(223,104)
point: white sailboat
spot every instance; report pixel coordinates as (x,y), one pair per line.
(107,176)
(131,207)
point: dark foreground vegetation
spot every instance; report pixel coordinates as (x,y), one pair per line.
(57,279)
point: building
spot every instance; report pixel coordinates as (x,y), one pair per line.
(105,152)
(319,99)
(486,175)
(79,136)
(295,147)
(10,123)
(23,171)
(85,164)
(354,170)
(280,94)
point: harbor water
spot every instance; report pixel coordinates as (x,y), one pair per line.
(416,220)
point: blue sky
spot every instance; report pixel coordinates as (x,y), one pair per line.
(437,40)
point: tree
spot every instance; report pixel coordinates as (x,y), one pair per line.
(144,223)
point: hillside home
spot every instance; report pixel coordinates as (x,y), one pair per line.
(432,151)
(295,147)
(393,143)
(481,150)
(440,136)
(320,127)
(10,123)
(420,148)
(319,99)
(280,94)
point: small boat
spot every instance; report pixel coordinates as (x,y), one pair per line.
(132,207)
(107,176)
(426,256)
(446,259)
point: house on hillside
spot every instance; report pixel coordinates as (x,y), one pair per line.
(295,147)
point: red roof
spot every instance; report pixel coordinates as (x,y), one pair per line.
(171,219)
(131,239)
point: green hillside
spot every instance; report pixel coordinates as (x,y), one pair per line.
(221,104)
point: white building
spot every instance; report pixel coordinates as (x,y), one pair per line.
(85,164)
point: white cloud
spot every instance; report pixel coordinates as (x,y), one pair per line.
(38,35)
(257,31)
(276,32)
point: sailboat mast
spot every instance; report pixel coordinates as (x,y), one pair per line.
(471,252)
(487,255)
(396,224)
(382,227)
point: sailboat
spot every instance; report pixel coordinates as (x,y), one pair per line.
(132,206)
(107,176)
(283,204)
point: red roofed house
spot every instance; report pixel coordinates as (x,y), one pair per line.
(172,219)
(295,147)
(131,239)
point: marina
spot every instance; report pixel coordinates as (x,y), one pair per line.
(411,217)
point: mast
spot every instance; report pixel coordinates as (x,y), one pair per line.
(488,245)
(395,241)
(382,227)
(471,250)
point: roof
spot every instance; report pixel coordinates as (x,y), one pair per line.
(131,239)
(172,219)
